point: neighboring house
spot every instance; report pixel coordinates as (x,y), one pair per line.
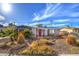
(70,29)
(40,31)
(54,31)
(76,30)
(66,29)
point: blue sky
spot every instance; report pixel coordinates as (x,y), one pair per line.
(59,14)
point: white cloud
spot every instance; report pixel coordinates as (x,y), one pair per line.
(56,25)
(2,17)
(5,24)
(75,14)
(48,24)
(58,11)
(63,20)
(16,23)
(33,24)
(36,23)
(48,12)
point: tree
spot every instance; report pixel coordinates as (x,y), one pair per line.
(39,25)
(27,33)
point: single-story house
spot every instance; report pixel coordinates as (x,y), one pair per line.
(76,30)
(70,29)
(40,31)
(66,29)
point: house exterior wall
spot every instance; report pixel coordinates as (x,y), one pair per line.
(44,31)
(56,31)
(40,32)
(53,31)
(34,31)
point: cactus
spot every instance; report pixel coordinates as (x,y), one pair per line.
(71,40)
(21,37)
(39,48)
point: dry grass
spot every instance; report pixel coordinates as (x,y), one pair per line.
(62,48)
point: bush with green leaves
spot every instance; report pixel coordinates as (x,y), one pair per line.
(27,33)
(13,32)
(9,31)
(6,32)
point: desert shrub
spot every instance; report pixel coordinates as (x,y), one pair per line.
(2,35)
(39,47)
(53,35)
(41,42)
(11,43)
(14,34)
(63,34)
(39,50)
(27,33)
(77,43)
(34,44)
(9,31)
(71,40)
(21,38)
(46,41)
